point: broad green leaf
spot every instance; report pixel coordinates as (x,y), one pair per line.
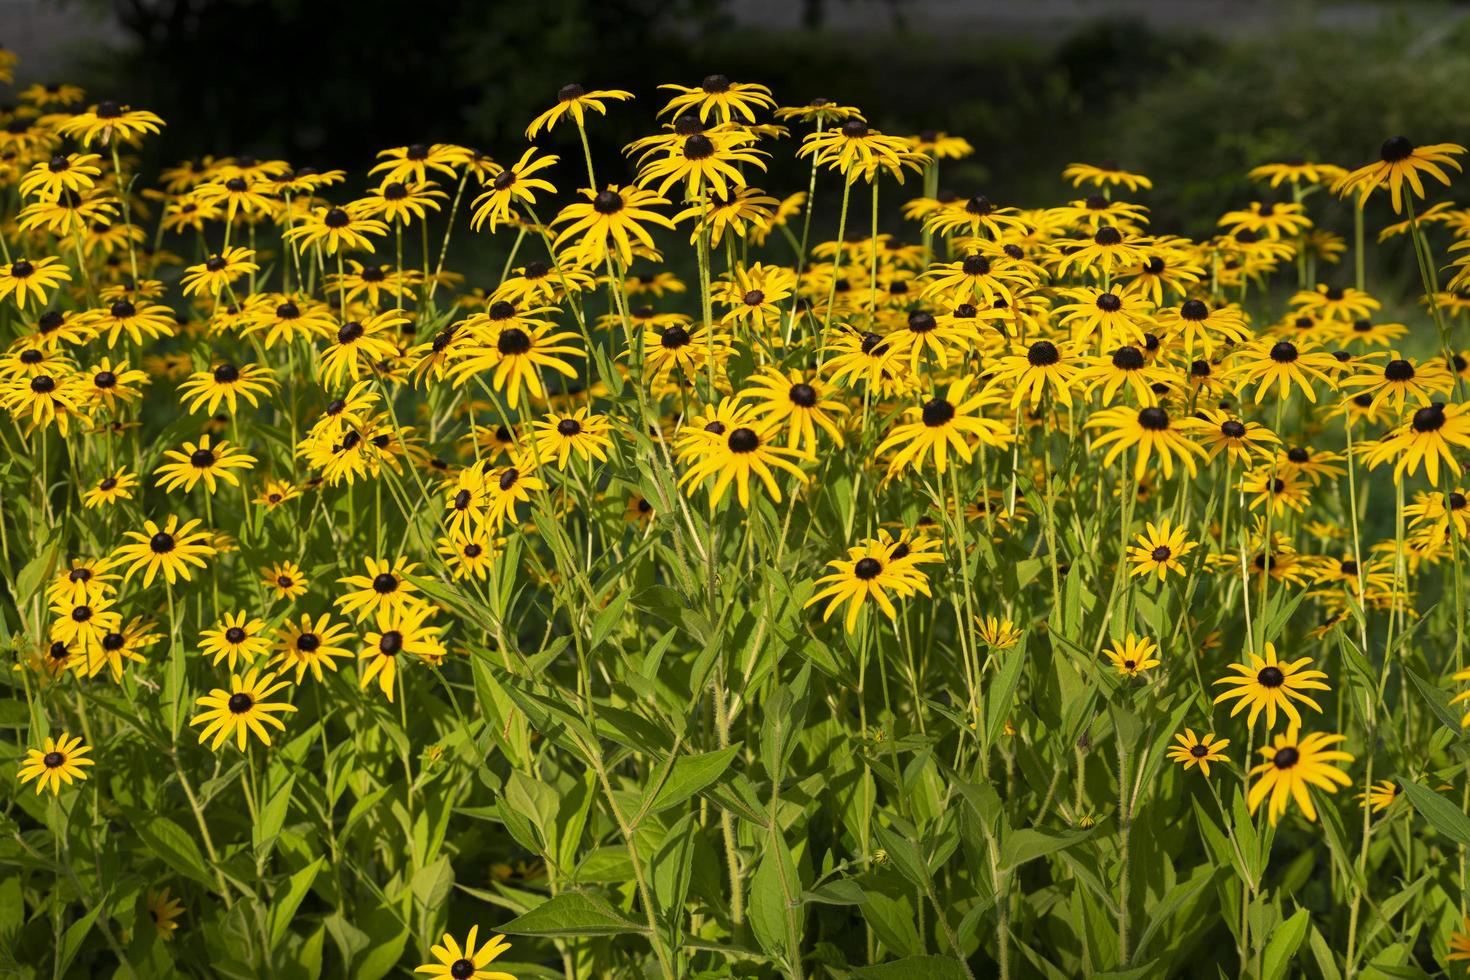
(1443,816)
(1285,940)
(1019,846)
(284,904)
(691,774)
(175,847)
(573,914)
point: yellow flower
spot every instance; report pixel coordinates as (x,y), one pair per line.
(241,710)
(1293,765)
(58,760)
(1133,655)
(1198,750)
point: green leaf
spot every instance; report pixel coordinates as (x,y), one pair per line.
(1286,939)
(1442,815)
(608,619)
(71,941)
(272,816)
(1020,846)
(284,905)
(1002,693)
(904,854)
(36,571)
(173,845)
(843,891)
(381,957)
(689,775)
(572,914)
(768,898)
(1437,700)
(914,968)
(1325,957)
(1177,897)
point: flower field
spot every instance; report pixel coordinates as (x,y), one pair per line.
(528,562)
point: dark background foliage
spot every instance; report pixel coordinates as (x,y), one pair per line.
(1193,100)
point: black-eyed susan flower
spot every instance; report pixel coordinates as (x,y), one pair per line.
(719,97)
(680,347)
(1268,684)
(117,645)
(508,486)
(1400,162)
(1154,434)
(512,186)
(941,426)
(1159,549)
(1032,370)
(1133,655)
(32,280)
(1427,437)
(801,401)
(469,555)
(857,150)
(610,223)
(402,631)
(707,163)
(236,637)
(467,962)
(359,345)
(1295,763)
(997,632)
(218,272)
(117,485)
(74,173)
(1400,379)
(1434,511)
(284,580)
(109,123)
(335,229)
(1297,171)
(514,350)
(1241,441)
(734,455)
(1125,366)
(242,710)
(173,549)
(1106,174)
(414,161)
(387,587)
(226,383)
(400,202)
(81,622)
(309,646)
(1277,489)
(1203,328)
(1108,251)
(58,760)
(1380,795)
(201,461)
(1343,304)
(579,434)
(1284,366)
(573,102)
(869,572)
(163,909)
(140,321)
(110,384)
(53,398)
(1198,750)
